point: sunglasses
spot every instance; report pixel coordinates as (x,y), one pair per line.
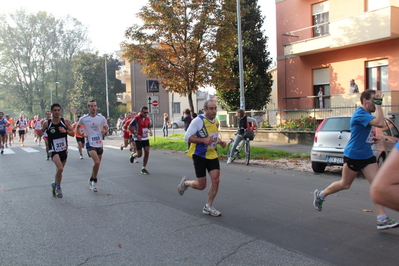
(145,112)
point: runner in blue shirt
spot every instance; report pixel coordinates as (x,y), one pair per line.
(358,155)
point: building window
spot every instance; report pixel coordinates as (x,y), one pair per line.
(320,16)
(377,75)
(321,87)
(176,108)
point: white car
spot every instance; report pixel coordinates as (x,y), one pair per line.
(333,134)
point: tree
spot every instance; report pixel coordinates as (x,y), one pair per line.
(89,76)
(34,53)
(175,44)
(257,82)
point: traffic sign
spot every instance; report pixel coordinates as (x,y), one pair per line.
(152,86)
(153,104)
(73,110)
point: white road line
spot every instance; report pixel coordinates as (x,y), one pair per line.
(30,150)
(8,151)
(112,147)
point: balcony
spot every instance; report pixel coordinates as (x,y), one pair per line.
(123,97)
(123,74)
(373,26)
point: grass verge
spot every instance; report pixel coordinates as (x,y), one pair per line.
(176,142)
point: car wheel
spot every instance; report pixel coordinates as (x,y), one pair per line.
(175,125)
(318,167)
(381,160)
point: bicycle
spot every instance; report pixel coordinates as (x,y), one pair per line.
(112,133)
(243,149)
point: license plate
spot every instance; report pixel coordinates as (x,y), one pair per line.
(335,160)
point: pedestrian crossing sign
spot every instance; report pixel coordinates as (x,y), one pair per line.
(152,86)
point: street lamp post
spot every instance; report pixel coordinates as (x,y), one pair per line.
(51,93)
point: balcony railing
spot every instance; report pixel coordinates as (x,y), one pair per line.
(367,27)
(123,97)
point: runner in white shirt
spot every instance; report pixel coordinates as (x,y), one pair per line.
(95,126)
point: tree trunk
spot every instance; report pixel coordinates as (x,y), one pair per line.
(190,102)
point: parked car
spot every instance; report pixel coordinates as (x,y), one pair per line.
(178,124)
(333,134)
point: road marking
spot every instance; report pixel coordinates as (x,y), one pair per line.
(30,150)
(112,147)
(8,151)
(73,148)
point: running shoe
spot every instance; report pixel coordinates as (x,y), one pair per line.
(229,160)
(81,156)
(53,189)
(144,171)
(182,186)
(95,187)
(387,223)
(317,201)
(91,184)
(121,147)
(131,158)
(136,161)
(211,211)
(48,158)
(2,151)
(59,192)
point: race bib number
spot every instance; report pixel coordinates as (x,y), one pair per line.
(145,133)
(60,144)
(370,136)
(95,140)
(1,127)
(215,139)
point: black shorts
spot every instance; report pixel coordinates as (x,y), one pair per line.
(99,151)
(202,164)
(140,144)
(2,133)
(63,155)
(357,165)
(21,132)
(82,140)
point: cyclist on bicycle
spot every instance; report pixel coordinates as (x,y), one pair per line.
(243,125)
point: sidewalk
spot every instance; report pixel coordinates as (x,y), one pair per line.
(288,147)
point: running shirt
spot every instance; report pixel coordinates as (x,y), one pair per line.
(10,126)
(93,127)
(359,145)
(141,126)
(81,130)
(201,127)
(57,141)
(21,124)
(37,124)
(3,123)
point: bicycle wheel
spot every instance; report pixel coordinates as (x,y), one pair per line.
(111,134)
(247,152)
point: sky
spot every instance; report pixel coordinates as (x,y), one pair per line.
(107,21)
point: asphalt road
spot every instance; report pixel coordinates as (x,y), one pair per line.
(268,217)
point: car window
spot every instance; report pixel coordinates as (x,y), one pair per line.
(394,129)
(385,130)
(336,124)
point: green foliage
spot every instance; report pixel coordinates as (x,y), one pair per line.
(34,53)
(301,124)
(257,82)
(264,124)
(184,31)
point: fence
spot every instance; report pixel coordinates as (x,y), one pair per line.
(277,117)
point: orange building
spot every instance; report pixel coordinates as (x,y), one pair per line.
(325,44)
